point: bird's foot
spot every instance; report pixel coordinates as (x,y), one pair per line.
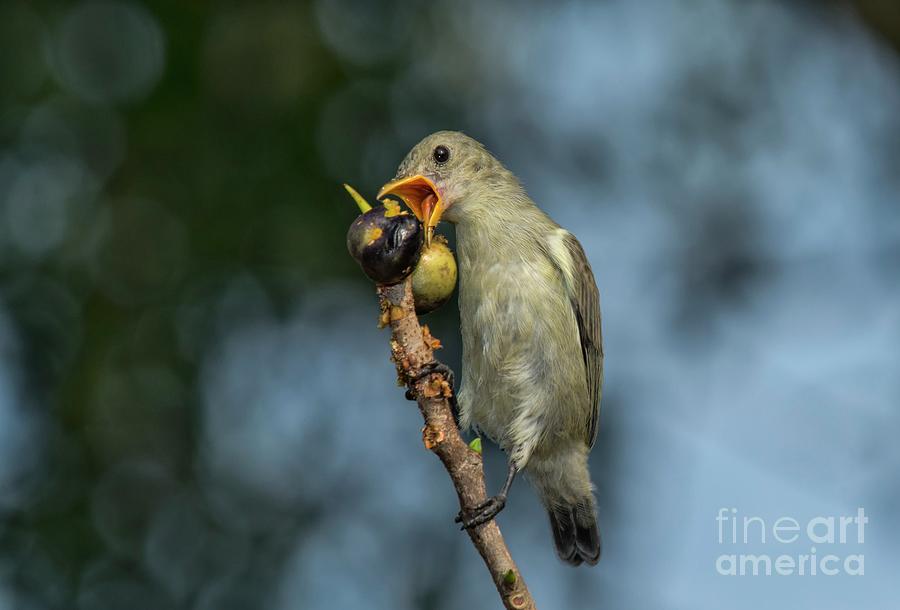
(435,366)
(482,513)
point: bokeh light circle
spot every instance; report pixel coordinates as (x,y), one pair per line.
(109,51)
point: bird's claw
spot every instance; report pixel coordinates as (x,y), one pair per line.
(482,513)
(435,366)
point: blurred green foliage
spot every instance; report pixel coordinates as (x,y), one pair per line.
(214,170)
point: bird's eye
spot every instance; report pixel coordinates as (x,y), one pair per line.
(441,154)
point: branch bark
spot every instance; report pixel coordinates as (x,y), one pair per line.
(412,350)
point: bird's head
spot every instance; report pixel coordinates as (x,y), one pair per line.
(443,176)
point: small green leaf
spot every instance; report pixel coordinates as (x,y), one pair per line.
(509,578)
(475,445)
(360,201)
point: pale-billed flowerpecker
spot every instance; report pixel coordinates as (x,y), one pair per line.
(532,357)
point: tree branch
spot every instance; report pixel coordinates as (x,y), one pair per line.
(412,350)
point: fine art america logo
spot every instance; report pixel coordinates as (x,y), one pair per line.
(820,541)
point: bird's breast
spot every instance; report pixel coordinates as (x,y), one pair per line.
(520,348)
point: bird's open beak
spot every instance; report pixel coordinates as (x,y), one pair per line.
(422,197)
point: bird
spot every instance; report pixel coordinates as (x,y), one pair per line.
(532,348)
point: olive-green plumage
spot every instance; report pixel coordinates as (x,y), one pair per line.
(530,322)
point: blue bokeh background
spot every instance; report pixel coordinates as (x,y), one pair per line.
(197,409)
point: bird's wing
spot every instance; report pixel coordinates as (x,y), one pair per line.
(585,298)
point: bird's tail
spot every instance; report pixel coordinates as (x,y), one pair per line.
(563,482)
(575,532)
